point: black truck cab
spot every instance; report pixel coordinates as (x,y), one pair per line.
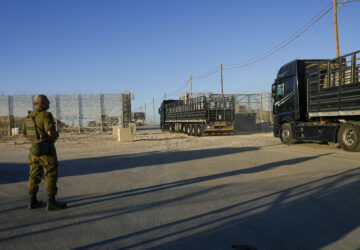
(285,93)
(319,100)
(289,93)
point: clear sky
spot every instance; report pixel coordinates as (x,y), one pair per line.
(149,47)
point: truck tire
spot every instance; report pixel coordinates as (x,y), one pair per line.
(184,128)
(286,134)
(199,130)
(348,137)
(193,129)
(163,129)
(188,129)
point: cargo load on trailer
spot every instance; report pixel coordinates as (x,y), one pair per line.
(198,116)
(319,100)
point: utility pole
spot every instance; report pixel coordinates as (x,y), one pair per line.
(154,109)
(190,86)
(336,29)
(222,94)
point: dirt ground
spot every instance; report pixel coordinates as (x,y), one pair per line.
(143,140)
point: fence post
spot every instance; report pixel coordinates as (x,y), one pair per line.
(80,111)
(10,113)
(261,108)
(101,100)
(57,111)
(32,102)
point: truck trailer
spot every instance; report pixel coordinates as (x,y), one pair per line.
(198,116)
(319,100)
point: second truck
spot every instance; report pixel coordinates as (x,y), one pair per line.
(198,116)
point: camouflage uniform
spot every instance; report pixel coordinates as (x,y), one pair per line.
(46,163)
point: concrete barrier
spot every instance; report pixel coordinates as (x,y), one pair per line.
(15,131)
(132,126)
(124,134)
(115,130)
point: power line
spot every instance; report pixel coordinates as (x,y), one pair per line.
(283,44)
(272,51)
(275,49)
(206,75)
(211,72)
(350,1)
(180,90)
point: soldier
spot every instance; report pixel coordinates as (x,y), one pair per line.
(39,128)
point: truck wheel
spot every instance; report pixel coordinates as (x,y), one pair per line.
(162,128)
(188,129)
(286,134)
(199,130)
(193,129)
(184,128)
(348,137)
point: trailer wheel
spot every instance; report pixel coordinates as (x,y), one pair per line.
(193,129)
(184,128)
(286,134)
(188,129)
(199,130)
(348,137)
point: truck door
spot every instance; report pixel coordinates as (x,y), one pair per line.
(285,99)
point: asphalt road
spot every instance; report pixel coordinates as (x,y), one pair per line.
(272,196)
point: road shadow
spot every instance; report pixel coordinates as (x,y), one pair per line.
(271,216)
(308,216)
(18,172)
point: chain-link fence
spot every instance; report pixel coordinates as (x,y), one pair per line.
(99,112)
(71,112)
(260,104)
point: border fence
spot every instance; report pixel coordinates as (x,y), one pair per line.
(90,113)
(71,112)
(260,104)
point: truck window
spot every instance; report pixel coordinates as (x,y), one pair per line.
(289,85)
(285,87)
(279,91)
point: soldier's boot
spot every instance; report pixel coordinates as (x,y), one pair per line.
(33,202)
(52,204)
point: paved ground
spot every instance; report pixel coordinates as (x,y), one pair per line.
(169,191)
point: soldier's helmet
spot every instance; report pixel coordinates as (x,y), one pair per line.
(41,99)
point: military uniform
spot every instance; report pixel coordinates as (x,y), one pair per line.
(46,163)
